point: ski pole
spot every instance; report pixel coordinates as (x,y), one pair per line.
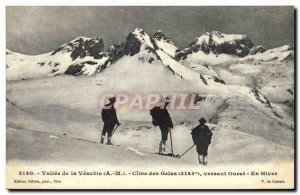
(186,151)
(116,128)
(171,141)
(192,146)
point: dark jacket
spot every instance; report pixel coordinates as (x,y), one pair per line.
(201,135)
(165,120)
(109,115)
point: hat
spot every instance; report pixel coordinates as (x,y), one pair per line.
(202,120)
(165,99)
(112,99)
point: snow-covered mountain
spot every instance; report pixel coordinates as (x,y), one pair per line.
(216,47)
(81,56)
(86,56)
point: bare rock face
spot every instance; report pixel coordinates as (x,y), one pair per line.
(132,45)
(138,41)
(75,69)
(257,49)
(81,47)
(80,68)
(159,35)
(116,51)
(182,55)
(95,47)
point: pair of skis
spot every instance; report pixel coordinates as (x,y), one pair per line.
(80,139)
(172,151)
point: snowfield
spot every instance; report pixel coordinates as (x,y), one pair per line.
(138,144)
(248,99)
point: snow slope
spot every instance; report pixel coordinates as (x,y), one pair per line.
(78,99)
(270,73)
(19,66)
(138,144)
(278,54)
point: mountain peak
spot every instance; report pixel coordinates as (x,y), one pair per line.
(81,47)
(80,38)
(159,35)
(165,43)
(137,39)
(216,42)
(217,38)
(138,31)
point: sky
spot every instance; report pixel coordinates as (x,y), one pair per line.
(37,30)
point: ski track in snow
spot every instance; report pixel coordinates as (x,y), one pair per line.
(135,150)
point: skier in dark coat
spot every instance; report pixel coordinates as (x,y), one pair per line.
(165,124)
(110,119)
(202,138)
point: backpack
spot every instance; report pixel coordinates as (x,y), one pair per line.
(155,112)
(104,115)
(209,136)
(201,135)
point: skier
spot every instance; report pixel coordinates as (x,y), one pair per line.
(165,124)
(110,119)
(202,138)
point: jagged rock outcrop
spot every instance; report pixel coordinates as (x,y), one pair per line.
(218,43)
(115,52)
(81,47)
(257,49)
(132,45)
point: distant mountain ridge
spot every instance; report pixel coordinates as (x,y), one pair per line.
(86,56)
(219,43)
